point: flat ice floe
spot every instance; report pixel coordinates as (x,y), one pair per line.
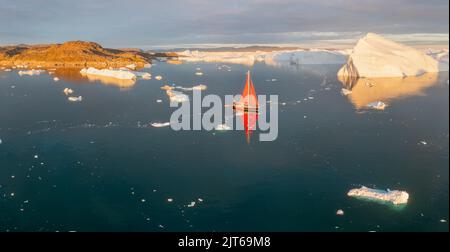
(118,74)
(75,99)
(160,125)
(222,127)
(395,197)
(378,105)
(200,87)
(31,72)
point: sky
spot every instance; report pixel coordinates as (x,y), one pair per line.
(176,23)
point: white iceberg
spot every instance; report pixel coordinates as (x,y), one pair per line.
(378,105)
(117,74)
(395,197)
(75,99)
(313,56)
(30,72)
(160,125)
(158,77)
(198,73)
(375,56)
(55,79)
(308,57)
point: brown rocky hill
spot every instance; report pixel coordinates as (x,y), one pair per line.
(71,54)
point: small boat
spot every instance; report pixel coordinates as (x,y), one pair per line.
(249,100)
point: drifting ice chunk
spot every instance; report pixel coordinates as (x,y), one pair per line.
(55,79)
(340,212)
(143,75)
(160,125)
(175,96)
(379,105)
(192,204)
(199,87)
(31,72)
(222,127)
(118,74)
(75,99)
(395,197)
(345,91)
(158,77)
(68,91)
(199,73)
(158,101)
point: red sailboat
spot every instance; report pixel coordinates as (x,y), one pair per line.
(247,107)
(249,100)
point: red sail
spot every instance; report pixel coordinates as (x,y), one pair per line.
(249,98)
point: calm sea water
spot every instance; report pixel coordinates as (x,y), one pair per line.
(97,165)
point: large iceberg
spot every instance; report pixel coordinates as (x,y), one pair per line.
(307,57)
(375,56)
(298,57)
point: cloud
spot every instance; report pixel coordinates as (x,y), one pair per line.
(118,22)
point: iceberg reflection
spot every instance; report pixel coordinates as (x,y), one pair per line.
(368,90)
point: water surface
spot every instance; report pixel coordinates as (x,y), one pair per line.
(98,165)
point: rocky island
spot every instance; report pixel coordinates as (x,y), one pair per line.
(72,54)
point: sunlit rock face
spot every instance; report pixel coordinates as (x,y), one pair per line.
(70,54)
(368,90)
(375,56)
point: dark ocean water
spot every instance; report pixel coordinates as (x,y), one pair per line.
(97,165)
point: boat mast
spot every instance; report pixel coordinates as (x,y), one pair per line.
(248,88)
